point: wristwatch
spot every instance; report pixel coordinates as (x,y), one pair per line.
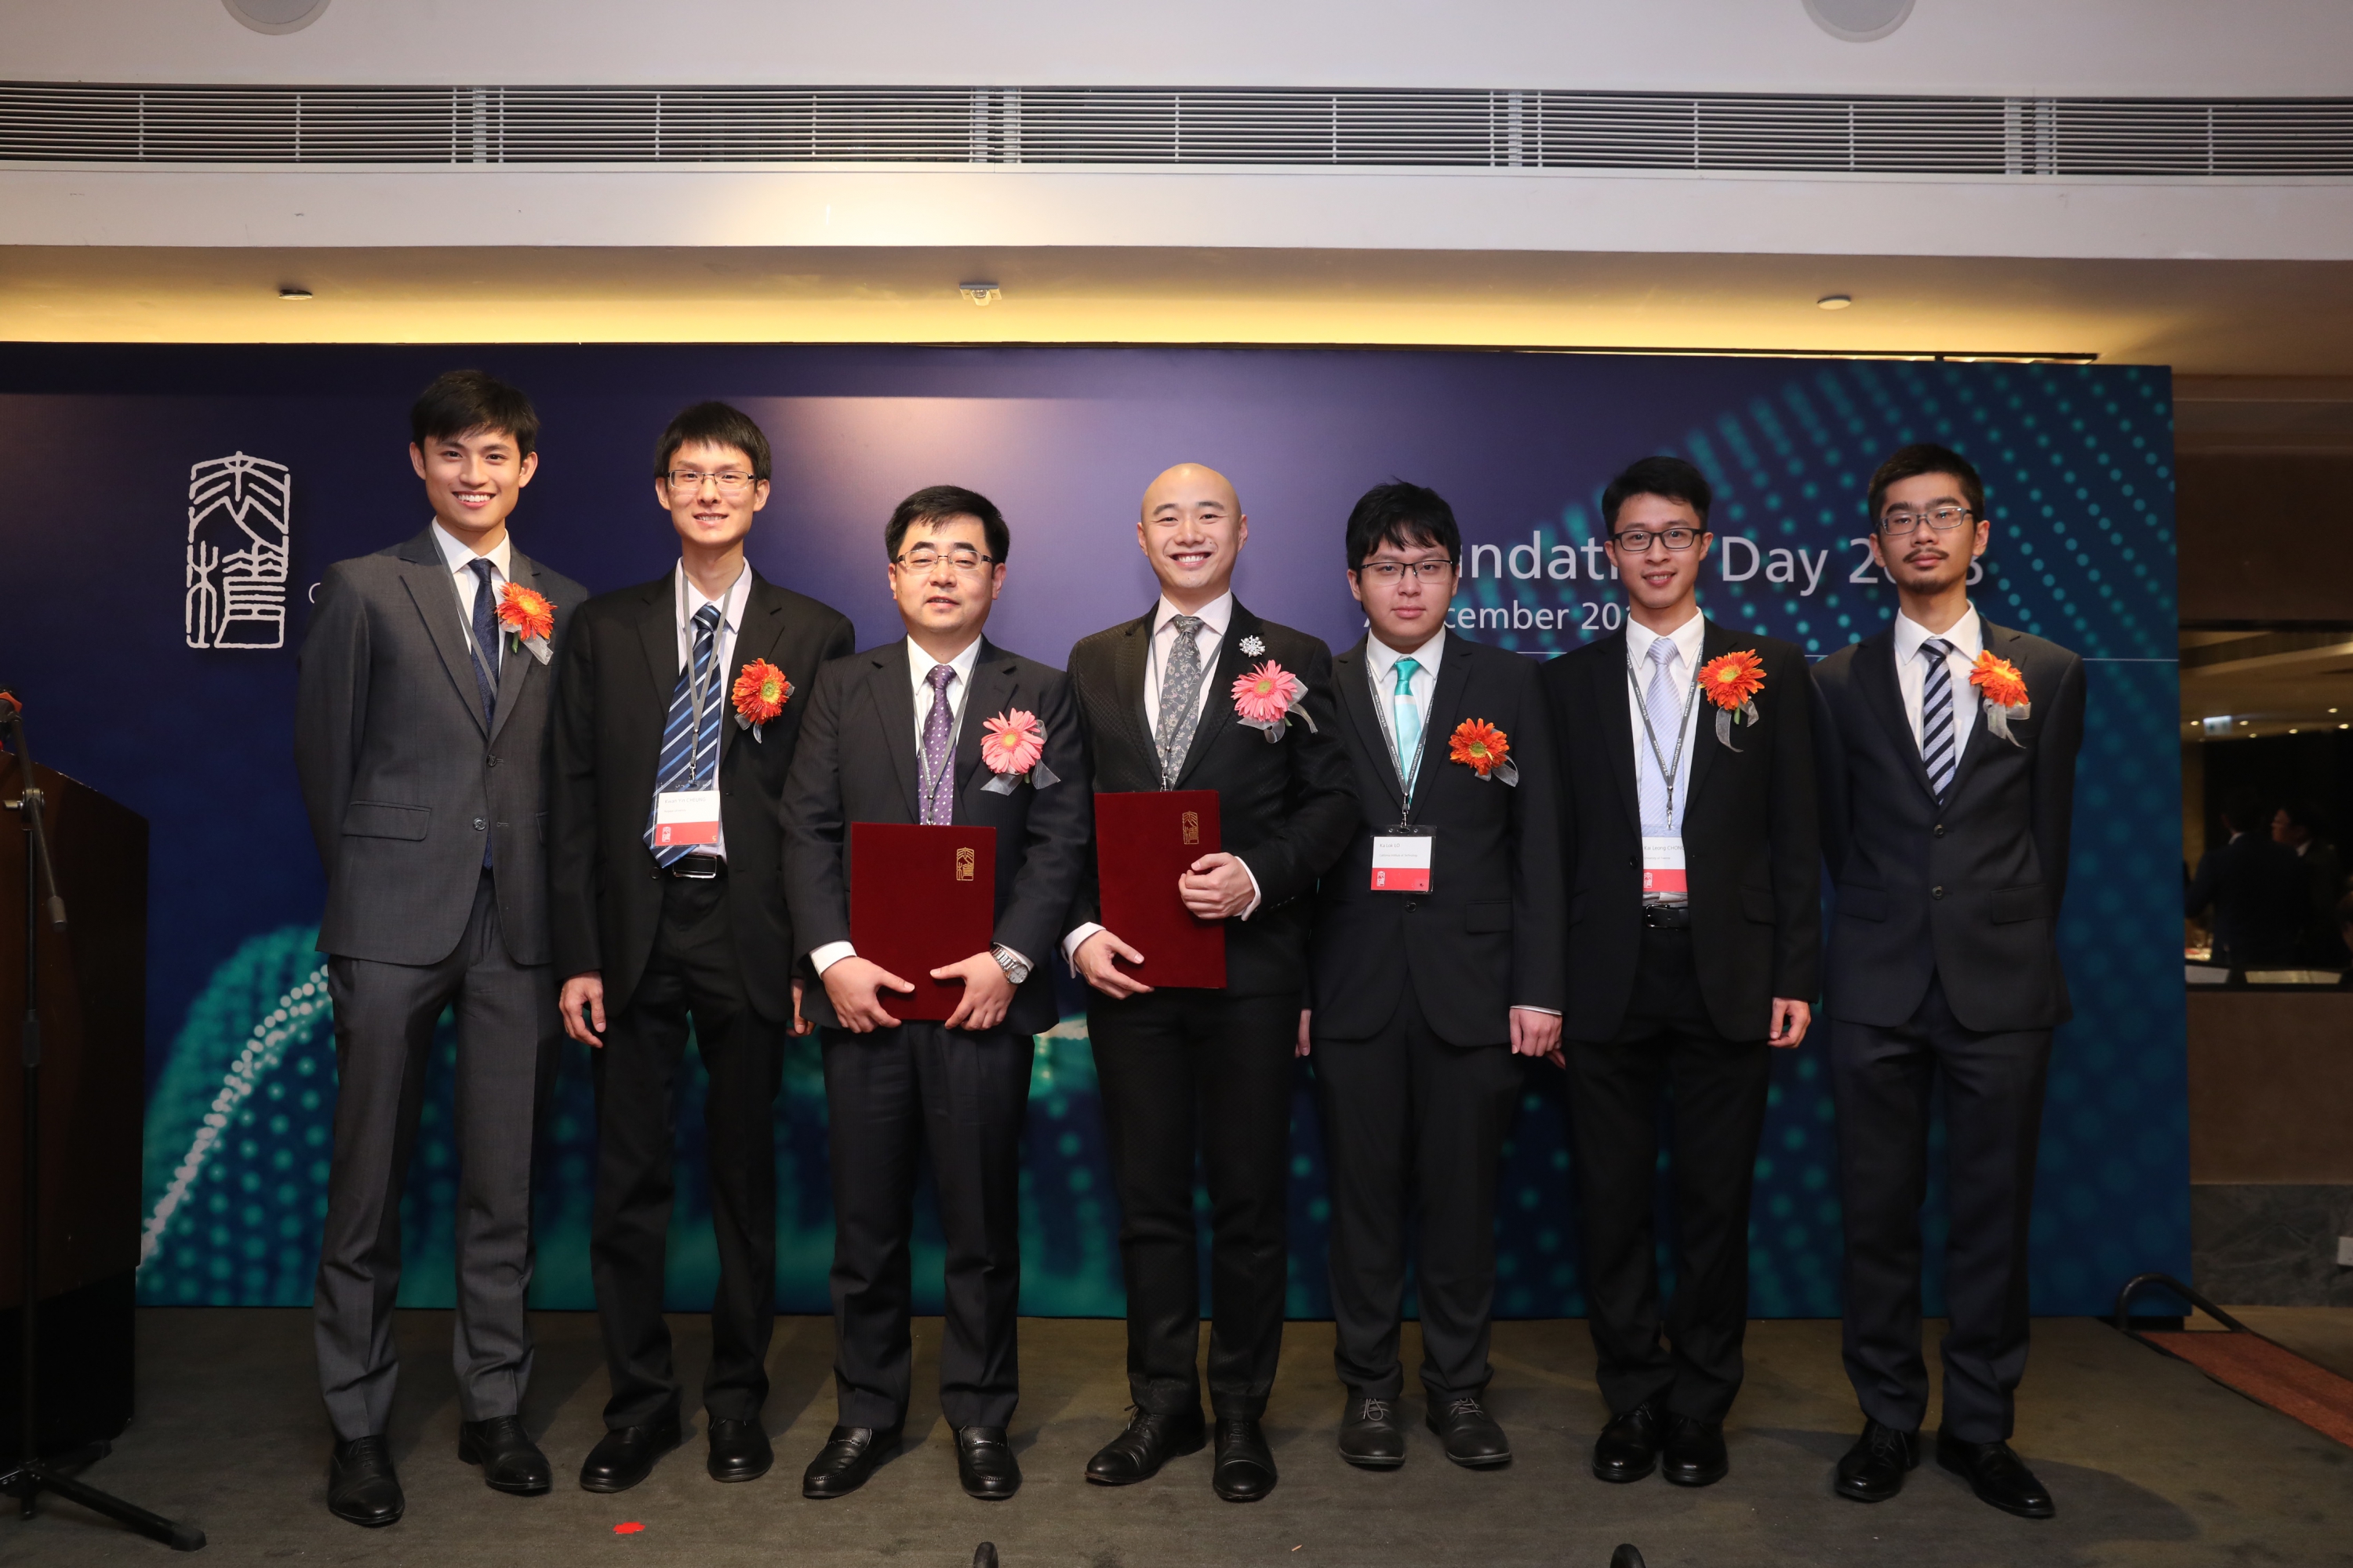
(1016,966)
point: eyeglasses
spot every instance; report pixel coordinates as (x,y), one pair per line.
(1944,520)
(923,558)
(1388,572)
(729,481)
(1638,540)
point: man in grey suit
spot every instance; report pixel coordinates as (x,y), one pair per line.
(420,732)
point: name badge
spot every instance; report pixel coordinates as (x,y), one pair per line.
(1402,859)
(686,817)
(1663,866)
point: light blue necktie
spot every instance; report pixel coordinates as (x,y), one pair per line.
(1663,702)
(1406,721)
(690,754)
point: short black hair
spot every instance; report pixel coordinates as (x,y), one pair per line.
(2243,811)
(1928,456)
(1661,475)
(937,503)
(2303,815)
(460,402)
(716,425)
(1401,515)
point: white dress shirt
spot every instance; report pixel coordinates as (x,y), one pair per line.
(688,601)
(1967,636)
(1381,662)
(1682,669)
(460,558)
(918,677)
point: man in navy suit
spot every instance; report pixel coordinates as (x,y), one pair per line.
(1947,776)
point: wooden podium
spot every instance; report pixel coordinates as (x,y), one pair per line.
(93,1011)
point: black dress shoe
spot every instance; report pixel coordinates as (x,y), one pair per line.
(739,1450)
(1872,1470)
(986,1465)
(1694,1454)
(1628,1448)
(1150,1441)
(1370,1438)
(848,1457)
(626,1455)
(361,1487)
(510,1461)
(1245,1468)
(1470,1434)
(1997,1475)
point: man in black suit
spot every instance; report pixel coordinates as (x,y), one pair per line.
(2259,890)
(895,735)
(1947,747)
(1693,941)
(665,860)
(420,734)
(1187,1072)
(1425,999)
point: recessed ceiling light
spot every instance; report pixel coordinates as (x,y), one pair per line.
(1835,301)
(981,294)
(276,16)
(294,291)
(1858,21)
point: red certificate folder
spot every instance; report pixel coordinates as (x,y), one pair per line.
(920,899)
(1144,841)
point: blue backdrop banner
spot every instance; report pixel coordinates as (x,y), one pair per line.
(177,506)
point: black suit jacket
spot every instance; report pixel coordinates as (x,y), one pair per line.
(401,777)
(1749,832)
(1489,935)
(619,670)
(1967,888)
(2261,893)
(1286,809)
(858,764)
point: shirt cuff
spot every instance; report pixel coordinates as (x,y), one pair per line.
(825,955)
(1527,1007)
(1075,940)
(1251,909)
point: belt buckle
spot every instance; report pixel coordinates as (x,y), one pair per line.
(709,864)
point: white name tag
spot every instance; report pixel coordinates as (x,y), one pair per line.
(1401,858)
(686,817)
(1662,867)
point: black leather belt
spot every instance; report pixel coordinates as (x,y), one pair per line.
(1667,916)
(698,867)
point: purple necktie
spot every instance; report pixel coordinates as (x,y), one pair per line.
(939,802)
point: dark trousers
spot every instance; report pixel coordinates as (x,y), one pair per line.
(1187,1072)
(963,1094)
(1413,1126)
(1993,1120)
(691,973)
(1718,1088)
(507,1031)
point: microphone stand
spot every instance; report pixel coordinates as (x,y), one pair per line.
(33,1474)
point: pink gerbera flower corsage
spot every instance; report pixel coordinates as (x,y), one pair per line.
(1014,742)
(1267,697)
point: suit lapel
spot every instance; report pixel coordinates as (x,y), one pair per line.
(994,685)
(762,624)
(894,709)
(1618,723)
(1217,711)
(1713,642)
(514,663)
(1352,670)
(1874,672)
(1995,639)
(426,577)
(1446,704)
(1130,669)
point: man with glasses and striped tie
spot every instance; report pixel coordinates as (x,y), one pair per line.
(665,853)
(1947,771)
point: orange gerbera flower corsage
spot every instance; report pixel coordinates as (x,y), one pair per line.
(1485,749)
(529,617)
(1731,681)
(2003,685)
(760,694)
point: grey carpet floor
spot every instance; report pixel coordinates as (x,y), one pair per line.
(2151,1463)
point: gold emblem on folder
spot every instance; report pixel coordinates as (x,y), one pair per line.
(963,865)
(1192,822)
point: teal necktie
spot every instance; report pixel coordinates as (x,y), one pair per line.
(1405,722)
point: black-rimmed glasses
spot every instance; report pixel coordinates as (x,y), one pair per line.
(1388,572)
(1676,538)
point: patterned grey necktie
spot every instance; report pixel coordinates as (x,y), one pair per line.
(1938,751)
(1180,691)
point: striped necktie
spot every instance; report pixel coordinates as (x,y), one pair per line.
(690,754)
(1938,751)
(486,639)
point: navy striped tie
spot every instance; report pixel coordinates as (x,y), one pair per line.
(1937,748)
(690,754)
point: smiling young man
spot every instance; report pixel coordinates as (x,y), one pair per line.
(421,728)
(1191,1074)
(1694,872)
(669,909)
(894,734)
(1425,996)
(1948,793)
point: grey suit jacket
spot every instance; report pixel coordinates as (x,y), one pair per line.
(401,778)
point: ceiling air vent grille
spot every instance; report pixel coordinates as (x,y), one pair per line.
(2100,138)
